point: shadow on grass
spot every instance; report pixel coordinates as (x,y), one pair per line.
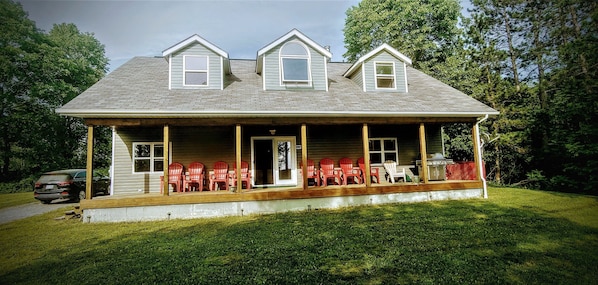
(449,242)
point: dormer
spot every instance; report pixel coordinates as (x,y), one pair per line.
(196,64)
(383,69)
(293,62)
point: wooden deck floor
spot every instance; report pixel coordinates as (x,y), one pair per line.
(267,194)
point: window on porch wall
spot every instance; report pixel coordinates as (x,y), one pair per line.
(148,157)
(383,149)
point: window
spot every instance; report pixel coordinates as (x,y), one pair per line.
(196,70)
(148,157)
(385,75)
(383,149)
(294,62)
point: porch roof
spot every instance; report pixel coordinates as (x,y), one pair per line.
(139,89)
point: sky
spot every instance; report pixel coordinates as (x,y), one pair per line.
(239,27)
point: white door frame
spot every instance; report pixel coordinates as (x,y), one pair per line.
(293,160)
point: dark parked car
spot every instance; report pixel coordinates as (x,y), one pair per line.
(68,184)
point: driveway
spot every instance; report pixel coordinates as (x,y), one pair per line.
(8,215)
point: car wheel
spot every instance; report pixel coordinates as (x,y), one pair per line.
(81,195)
(46,201)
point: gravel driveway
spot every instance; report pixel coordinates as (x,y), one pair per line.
(34,208)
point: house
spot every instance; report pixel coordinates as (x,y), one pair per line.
(289,106)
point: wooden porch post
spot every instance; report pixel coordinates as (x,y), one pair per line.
(366,155)
(304,155)
(476,151)
(424,153)
(165,159)
(89,166)
(238,158)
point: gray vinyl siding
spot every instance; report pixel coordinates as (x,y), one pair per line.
(408,140)
(325,142)
(358,77)
(125,181)
(188,144)
(370,73)
(210,144)
(271,71)
(206,145)
(215,70)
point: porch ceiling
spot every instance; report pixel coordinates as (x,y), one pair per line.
(273,121)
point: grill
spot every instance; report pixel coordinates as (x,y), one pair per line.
(436,167)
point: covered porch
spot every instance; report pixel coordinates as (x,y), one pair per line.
(299,193)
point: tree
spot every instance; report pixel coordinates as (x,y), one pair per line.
(39,73)
(546,51)
(19,42)
(424,30)
(492,33)
(572,97)
(80,63)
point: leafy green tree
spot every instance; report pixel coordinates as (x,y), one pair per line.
(40,72)
(421,29)
(570,159)
(491,33)
(537,57)
(81,62)
(20,44)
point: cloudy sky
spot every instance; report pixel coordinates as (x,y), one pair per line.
(240,27)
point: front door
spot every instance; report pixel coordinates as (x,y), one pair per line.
(274,161)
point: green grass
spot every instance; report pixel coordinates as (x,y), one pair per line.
(16,199)
(515,237)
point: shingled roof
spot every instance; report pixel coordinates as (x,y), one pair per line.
(139,89)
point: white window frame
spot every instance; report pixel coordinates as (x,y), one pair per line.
(151,158)
(385,76)
(307,57)
(382,151)
(206,71)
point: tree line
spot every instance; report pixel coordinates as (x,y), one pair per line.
(534,61)
(39,72)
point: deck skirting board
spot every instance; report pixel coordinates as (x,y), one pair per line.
(210,210)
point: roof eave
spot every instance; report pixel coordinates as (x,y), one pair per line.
(191,39)
(137,114)
(297,33)
(365,57)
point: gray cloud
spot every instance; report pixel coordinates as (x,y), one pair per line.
(146,28)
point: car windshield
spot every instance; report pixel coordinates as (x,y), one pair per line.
(53,178)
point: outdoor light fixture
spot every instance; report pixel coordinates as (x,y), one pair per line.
(272,131)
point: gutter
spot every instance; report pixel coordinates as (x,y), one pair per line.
(141,114)
(481,164)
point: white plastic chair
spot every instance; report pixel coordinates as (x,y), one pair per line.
(392,174)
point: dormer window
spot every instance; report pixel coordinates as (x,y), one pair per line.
(294,63)
(196,70)
(385,75)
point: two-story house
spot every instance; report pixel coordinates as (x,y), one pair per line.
(289,107)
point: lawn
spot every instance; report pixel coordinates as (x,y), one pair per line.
(15,199)
(515,237)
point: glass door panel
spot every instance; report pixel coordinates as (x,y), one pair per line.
(274,161)
(284,160)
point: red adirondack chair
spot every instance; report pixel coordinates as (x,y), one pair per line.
(245,175)
(312,172)
(373,171)
(327,172)
(175,177)
(196,176)
(348,173)
(219,176)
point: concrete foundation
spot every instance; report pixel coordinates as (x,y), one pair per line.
(209,210)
